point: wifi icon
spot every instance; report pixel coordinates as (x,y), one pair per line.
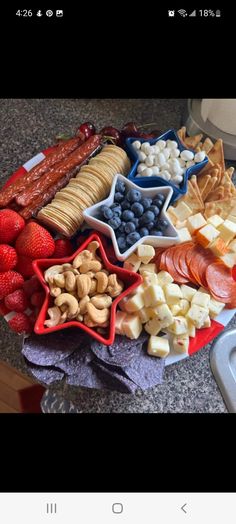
(182,12)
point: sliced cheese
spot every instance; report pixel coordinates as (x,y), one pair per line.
(195,222)
(158,347)
(206,235)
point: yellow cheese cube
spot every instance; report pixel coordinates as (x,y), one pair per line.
(132,326)
(175,308)
(227,230)
(158,347)
(229,259)
(119,319)
(195,222)
(201,299)
(181,211)
(153,327)
(132,263)
(218,247)
(191,329)
(207,234)
(149,278)
(232,218)
(164,277)
(184,234)
(215,220)
(164,315)
(215,308)
(179,326)
(207,322)
(143,315)
(232,246)
(197,315)
(153,295)
(150,268)
(188,292)
(135,303)
(173,293)
(184,306)
(145,253)
(180,343)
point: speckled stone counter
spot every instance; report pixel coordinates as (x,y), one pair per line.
(27,127)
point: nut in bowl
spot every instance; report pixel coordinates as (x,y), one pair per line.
(132,215)
(83,291)
(163,161)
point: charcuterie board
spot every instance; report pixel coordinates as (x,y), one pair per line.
(111,164)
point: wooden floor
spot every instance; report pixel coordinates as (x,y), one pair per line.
(18,393)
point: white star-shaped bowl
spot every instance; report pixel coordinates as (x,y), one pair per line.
(92,214)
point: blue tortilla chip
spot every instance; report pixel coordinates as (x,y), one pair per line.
(47,350)
(122,352)
(86,376)
(145,371)
(113,379)
(72,363)
(46,375)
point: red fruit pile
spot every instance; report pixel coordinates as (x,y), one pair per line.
(11,224)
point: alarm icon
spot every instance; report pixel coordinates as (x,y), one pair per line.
(39,13)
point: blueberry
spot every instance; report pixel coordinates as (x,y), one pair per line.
(144,232)
(147,217)
(132,238)
(122,227)
(117,211)
(120,186)
(125,204)
(157,202)
(161,197)
(162,224)
(146,203)
(137,209)
(121,241)
(134,195)
(114,222)
(150,225)
(154,209)
(127,215)
(129,227)
(136,222)
(106,212)
(156,233)
(118,197)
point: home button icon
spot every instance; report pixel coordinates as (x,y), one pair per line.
(117,508)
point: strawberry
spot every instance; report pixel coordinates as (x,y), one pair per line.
(21,323)
(24,266)
(63,248)
(31,285)
(11,224)
(17,301)
(8,257)
(37,299)
(35,242)
(9,282)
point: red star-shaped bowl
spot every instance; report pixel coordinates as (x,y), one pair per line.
(130,279)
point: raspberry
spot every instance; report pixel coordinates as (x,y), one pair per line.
(17,301)
(20,323)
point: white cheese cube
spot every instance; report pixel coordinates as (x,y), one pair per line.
(215,308)
(184,234)
(143,315)
(180,343)
(164,315)
(232,246)
(180,224)
(197,315)
(153,296)
(150,268)
(207,234)
(175,308)
(191,329)
(188,292)
(218,247)
(164,277)
(153,327)
(215,220)
(182,211)
(119,319)
(158,347)
(227,230)
(229,259)
(201,299)
(179,326)
(172,215)
(132,326)
(149,278)
(145,253)
(132,263)
(173,293)
(135,303)
(207,322)
(184,306)
(195,222)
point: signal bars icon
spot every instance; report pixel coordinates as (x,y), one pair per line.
(194,13)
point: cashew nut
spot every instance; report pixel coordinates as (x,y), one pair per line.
(91,265)
(55,317)
(93,288)
(82,257)
(59,280)
(70,301)
(51,272)
(83,283)
(88,322)
(102,281)
(66,267)
(90,274)
(70,281)
(79,318)
(83,304)
(98,315)
(101,301)
(63,317)
(115,287)
(55,291)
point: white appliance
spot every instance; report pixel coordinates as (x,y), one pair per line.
(214,117)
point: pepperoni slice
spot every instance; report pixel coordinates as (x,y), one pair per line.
(182,262)
(171,267)
(221,283)
(162,265)
(176,260)
(157,257)
(201,258)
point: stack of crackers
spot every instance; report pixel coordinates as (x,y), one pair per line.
(212,190)
(91,185)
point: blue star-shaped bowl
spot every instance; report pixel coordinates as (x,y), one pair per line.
(155,181)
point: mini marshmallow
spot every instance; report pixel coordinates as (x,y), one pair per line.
(166,152)
(162,144)
(147,172)
(141,156)
(160,159)
(156,149)
(136,144)
(166,166)
(200,156)
(155,170)
(149,160)
(172,144)
(145,147)
(166,175)
(187,155)
(182,162)
(174,153)
(141,167)
(177,179)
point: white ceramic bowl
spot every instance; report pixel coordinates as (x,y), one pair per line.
(92,213)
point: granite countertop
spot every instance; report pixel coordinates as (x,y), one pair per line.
(27,127)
